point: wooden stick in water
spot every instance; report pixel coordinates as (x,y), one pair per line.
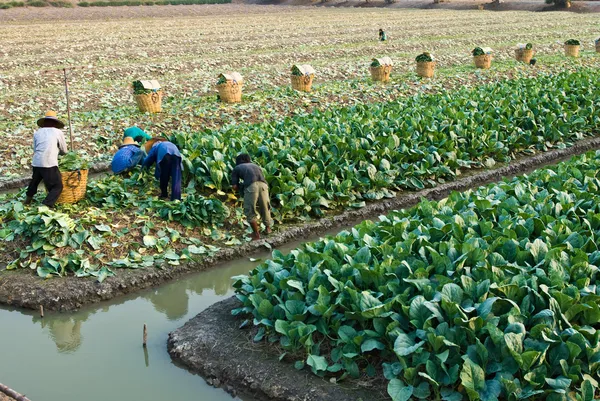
(12,393)
(41,310)
(145,335)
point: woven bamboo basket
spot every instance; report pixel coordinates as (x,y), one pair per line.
(230,92)
(381,73)
(74,186)
(149,102)
(524,55)
(425,69)
(483,61)
(302,83)
(572,50)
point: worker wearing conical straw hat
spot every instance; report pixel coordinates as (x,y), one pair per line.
(168,165)
(127,157)
(48,143)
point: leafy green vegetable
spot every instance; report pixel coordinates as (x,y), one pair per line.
(573,42)
(138,89)
(478,51)
(424,57)
(488,294)
(73,162)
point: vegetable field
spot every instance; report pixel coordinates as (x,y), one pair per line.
(314,164)
(186,53)
(489,294)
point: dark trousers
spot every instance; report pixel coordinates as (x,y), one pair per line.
(52,182)
(170,167)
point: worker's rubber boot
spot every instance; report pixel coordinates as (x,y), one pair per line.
(28,200)
(268,230)
(255,232)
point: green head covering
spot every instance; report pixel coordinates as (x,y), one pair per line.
(134,132)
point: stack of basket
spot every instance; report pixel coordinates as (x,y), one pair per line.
(150,101)
(230,87)
(523,54)
(381,69)
(74,186)
(302,77)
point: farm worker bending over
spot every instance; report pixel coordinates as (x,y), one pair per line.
(137,134)
(168,165)
(127,157)
(382,35)
(256,191)
(48,143)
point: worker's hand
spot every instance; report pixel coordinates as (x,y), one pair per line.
(235,187)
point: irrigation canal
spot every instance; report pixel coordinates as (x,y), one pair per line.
(96,353)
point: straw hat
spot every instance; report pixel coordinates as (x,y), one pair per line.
(149,143)
(51,116)
(129,141)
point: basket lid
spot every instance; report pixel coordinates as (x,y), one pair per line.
(305,69)
(150,85)
(232,76)
(384,61)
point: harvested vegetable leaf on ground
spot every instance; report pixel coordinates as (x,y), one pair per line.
(72,161)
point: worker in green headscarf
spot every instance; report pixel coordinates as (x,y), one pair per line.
(137,134)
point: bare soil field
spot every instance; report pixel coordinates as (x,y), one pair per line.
(184,47)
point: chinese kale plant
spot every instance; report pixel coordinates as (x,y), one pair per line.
(486,295)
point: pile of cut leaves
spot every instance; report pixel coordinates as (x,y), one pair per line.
(486,295)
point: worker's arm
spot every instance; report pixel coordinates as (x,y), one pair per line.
(62,144)
(151,158)
(235,179)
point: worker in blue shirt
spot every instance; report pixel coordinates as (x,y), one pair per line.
(168,165)
(127,157)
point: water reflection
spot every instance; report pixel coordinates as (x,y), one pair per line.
(171,300)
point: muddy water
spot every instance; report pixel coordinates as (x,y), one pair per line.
(96,354)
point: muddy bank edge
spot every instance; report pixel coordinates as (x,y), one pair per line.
(23,289)
(211,345)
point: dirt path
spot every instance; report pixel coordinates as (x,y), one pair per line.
(23,289)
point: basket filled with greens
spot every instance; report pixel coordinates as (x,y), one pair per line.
(148,96)
(229,86)
(482,57)
(302,77)
(597,43)
(524,52)
(572,47)
(74,173)
(381,69)
(425,65)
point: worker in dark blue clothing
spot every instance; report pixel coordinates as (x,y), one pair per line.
(168,165)
(127,157)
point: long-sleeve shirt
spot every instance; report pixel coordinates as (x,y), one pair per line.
(249,173)
(126,158)
(157,153)
(48,143)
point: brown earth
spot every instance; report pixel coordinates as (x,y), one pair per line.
(212,345)
(24,289)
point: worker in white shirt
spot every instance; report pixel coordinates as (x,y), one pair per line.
(48,143)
